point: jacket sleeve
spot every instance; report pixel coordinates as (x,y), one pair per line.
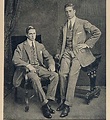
(48,58)
(95,33)
(17,57)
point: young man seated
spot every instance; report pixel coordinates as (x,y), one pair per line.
(30,55)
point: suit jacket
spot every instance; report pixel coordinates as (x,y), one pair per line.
(22,57)
(80,29)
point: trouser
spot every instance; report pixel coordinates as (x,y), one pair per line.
(68,73)
(42,72)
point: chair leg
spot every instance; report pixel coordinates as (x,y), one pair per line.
(93,86)
(92,83)
(26,101)
(15,94)
(26,96)
(94,92)
(92,77)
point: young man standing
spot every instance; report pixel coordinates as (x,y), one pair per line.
(74,52)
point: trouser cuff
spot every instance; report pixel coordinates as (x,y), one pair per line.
(67,103)
(51,98)
(44,102)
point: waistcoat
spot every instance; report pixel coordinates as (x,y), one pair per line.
(69,38)
(34,60)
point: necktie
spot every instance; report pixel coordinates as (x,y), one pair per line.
(33,46)
(70,26)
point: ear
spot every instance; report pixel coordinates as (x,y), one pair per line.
(26,35)
(74,11)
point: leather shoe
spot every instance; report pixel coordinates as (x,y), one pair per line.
(46,111)
(61,107)
(50,109)
(65,111)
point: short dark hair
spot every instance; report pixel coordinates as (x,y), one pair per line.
(28,28)
(70,5)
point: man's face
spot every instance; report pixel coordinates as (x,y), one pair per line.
(31,34)
(70,13)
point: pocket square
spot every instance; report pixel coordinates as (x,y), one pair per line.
(79,32)
(40,52)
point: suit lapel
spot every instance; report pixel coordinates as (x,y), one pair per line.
(27,49)
(37,49)
(64,31)
(76,25)
(64,38)
(38,52)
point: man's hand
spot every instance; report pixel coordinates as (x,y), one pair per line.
(31,68)
(57,56)
(81,46)
(51,68)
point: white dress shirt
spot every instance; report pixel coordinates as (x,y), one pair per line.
(30,42)
(72,21)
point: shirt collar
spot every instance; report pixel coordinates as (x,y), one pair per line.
(30,42)
(72,20)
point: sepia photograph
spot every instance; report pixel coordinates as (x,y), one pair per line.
(54,60)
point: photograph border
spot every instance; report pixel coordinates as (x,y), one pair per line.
(107,59)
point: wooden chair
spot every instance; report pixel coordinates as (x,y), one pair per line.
(26,83)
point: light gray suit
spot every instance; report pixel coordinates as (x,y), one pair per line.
(22,57)
(70,66)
